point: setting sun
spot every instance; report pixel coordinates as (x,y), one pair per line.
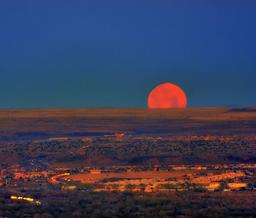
(166,96)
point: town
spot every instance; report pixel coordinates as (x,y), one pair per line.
(57,165)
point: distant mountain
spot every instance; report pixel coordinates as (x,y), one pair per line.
(243,109)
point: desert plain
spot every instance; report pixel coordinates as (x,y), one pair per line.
(197,162)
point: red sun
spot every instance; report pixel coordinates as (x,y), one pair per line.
(166,96)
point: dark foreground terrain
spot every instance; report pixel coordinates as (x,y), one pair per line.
(128,163)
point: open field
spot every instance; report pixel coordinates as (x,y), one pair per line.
(93,178)
(138,121)
(151,137)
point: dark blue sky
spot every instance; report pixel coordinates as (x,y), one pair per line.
(112,53)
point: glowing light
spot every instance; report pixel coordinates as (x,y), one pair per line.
(166,96)
(30,200)
(119,135)
(54,180)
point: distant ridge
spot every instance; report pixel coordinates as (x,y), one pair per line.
(244,109)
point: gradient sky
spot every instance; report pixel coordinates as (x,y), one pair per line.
(112,53)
